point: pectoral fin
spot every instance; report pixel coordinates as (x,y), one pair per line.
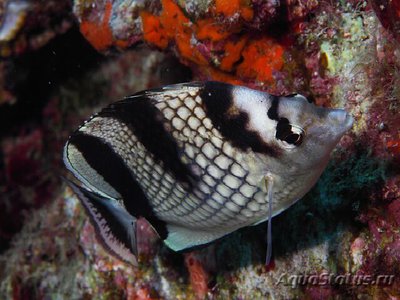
(115,227)
(269,182)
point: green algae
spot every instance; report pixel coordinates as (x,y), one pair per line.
(322,220)
(234,251)
(344,179)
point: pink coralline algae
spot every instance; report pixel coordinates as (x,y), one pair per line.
(388,12)
(299,9)
(265,13)
(24,187)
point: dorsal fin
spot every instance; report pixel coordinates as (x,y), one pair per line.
(114,226)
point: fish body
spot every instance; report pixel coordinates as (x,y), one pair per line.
(193,159)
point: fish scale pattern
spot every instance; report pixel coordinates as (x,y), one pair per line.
(223,196)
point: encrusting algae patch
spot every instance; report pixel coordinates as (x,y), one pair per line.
(260,58)
(98,33)
(226,43)
(229,8)
(171,25)
(217,43)
(245,42)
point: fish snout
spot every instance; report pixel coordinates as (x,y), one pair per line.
(340,119)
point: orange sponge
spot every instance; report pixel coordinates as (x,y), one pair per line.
(99,35)
(260,58)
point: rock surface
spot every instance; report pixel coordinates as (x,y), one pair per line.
(333,244)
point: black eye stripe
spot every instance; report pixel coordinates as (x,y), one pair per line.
(217,100)
(283,128)
(273,110)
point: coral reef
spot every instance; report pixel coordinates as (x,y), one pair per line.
(30,149)
(333,244)
(388,13)
(29,24)
(25,26)
(221,40)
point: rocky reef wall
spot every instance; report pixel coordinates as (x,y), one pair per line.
(60,63)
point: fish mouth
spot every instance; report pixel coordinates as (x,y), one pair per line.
(342,120)
(349,122)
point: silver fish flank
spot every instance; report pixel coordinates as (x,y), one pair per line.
(198,161)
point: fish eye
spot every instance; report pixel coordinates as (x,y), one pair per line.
(294,139)
(290,135)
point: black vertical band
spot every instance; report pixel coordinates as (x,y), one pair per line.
(230,121)
(110,165)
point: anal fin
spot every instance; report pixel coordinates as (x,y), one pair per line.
(180,238)
(115,227)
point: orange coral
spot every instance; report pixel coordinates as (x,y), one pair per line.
(122,44)
(99,35)
(153,31)
(230,7)
(393,146)
(247,13)
(196,42)
(172,24)
(260,58)
(227,7)
(233,51)
(207,29)
(173,19)
(198,276)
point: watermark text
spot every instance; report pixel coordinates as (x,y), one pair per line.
(295,280)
